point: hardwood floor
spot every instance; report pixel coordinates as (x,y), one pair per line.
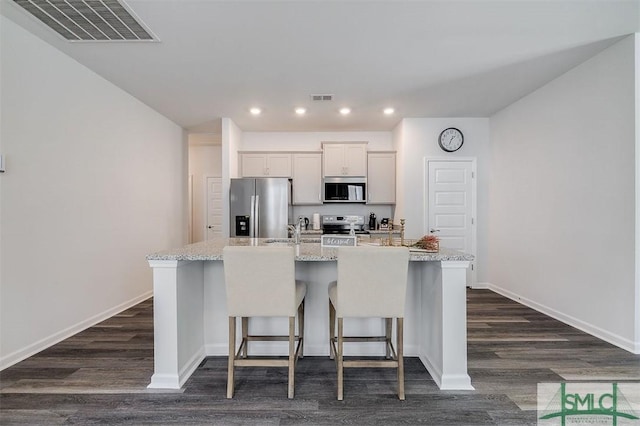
(100,376)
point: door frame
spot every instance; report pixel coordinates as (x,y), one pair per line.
(474,206)
(190,207)
(205,206)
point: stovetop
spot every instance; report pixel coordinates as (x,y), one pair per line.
(342,220)
(343,231)
(341,224)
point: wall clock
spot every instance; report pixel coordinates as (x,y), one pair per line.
(450,139)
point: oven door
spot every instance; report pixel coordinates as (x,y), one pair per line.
(334,229)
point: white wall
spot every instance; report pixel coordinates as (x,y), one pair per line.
(231,142)
(562,197)
(637,114)
(95,180)
(417,139)
(397,136)
(204,161)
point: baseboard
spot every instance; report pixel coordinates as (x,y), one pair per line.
(190,366)
(614,339)
(434,372)
(480,286)
(216,349)
(177,380)
(21,354)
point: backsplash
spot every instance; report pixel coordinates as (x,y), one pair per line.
(345,209)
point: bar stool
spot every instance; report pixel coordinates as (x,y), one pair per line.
(372,282)
(260,282)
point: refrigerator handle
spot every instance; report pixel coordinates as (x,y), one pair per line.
(252,216)
(256,221)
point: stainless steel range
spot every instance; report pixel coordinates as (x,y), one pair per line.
(334,224)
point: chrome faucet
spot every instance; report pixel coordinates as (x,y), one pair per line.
(295,230)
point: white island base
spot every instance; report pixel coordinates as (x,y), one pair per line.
(190,317)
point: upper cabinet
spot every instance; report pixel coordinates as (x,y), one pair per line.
(307,178)
(344,159)
(265,164)
(381,180)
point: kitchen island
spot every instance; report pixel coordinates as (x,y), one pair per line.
(190,318)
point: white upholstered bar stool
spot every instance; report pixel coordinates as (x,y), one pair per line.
(260,282)
(372,282)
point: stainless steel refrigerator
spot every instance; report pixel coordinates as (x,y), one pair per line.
(260,207)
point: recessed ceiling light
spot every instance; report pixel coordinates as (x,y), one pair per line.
(301,111)
(345,111)
(388,111)
(255,111)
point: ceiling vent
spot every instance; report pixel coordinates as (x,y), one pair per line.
(321,97)
(89,20)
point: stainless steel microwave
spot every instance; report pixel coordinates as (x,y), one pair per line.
(344,190)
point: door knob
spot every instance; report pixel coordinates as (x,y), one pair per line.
(433,230)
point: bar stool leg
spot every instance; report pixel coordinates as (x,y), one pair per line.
(292,353)
(388,322)
(245,333)
(332,329)
(301,329)
(232,355)
(340,361)
(400,332)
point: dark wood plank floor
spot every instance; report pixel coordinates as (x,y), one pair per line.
(100,376)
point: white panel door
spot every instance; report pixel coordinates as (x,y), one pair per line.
(214,207)
(451,206)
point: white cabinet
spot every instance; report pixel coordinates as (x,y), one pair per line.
(381,179)
(265,164)
(344,159)
(307,178)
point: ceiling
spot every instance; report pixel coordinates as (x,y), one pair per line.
(424,58)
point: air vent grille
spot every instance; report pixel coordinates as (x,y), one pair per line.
(88,20)
(324,97)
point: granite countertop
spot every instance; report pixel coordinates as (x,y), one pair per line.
(371,232)
(309,250)
(383,232)
(311,232)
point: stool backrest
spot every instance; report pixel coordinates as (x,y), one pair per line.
(260,281)
(372,281)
